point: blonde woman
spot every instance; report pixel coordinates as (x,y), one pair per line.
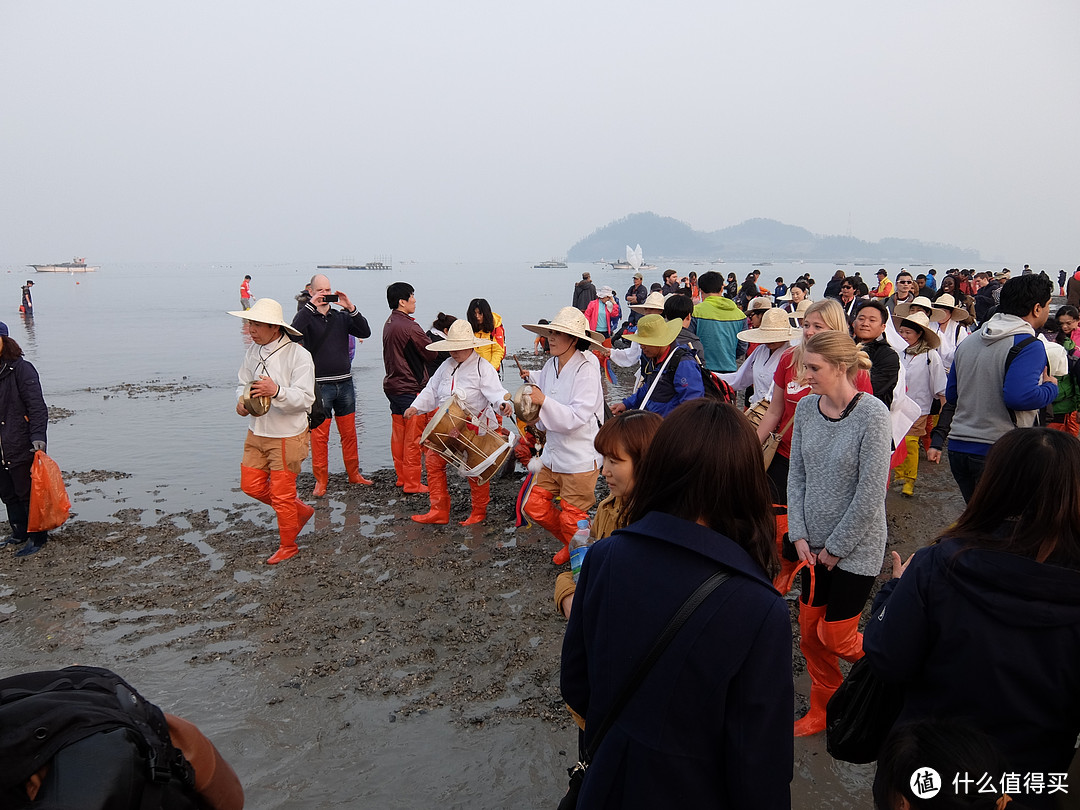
(840,449)
(925,375)
(789,386)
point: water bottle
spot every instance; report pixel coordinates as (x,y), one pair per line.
(579,544)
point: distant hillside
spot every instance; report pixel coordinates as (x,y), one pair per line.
(750,241)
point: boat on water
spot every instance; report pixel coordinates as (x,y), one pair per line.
(551,264)
(378,263)
(76,265)
(633,261)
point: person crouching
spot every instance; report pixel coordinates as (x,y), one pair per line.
(475,381)
(281,374)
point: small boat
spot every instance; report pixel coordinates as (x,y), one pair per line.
(621,265)
(551,264)
(76,265)
(378,263)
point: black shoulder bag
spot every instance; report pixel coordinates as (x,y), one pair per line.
(577,772)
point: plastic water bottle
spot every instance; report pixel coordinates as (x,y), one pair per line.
(579,544)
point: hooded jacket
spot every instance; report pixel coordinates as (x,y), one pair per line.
(710,725)
(990,637)
(983,393)
(24,417)
(717,321)
(496,351)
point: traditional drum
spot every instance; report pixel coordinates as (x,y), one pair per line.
(458,436)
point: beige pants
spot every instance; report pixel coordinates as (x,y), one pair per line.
(577,489)
(263,453)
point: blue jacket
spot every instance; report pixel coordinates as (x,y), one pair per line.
(24,417)
(989,637)
(710,726)
(671,389)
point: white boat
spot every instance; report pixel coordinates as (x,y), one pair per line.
(76,265)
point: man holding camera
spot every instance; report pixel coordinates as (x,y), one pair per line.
(326,334)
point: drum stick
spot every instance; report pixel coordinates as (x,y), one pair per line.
(518,364)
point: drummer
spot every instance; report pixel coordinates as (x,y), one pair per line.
(472,379)
(571,401)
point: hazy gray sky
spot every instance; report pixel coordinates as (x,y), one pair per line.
(478,130)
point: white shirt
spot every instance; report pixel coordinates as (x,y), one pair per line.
(572,412)
(952,334)
(757,370)
(475,381)
(290,366)
(926,377)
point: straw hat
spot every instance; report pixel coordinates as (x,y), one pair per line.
(774,328)
(458,336)
(800,310)
(266,310)
(653,330)
(568,321)
(935,315)
(760,303)
(919,319)
(651,305)
(256,406)
(947,302)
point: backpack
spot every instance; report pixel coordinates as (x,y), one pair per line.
(1042,417)
(715,388)
(110,747)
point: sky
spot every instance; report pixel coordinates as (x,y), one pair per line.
(219,130)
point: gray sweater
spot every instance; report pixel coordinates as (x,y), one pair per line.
(837,482)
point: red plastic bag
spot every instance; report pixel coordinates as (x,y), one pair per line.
(49,504)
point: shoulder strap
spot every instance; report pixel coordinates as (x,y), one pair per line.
(1014,352)
(658,647)
(656,379)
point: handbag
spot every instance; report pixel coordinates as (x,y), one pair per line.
(755,413)
(772,441)
(860,714)
(577,772)
(49,502)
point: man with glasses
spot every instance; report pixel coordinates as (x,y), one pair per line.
(905,291)
(848,300)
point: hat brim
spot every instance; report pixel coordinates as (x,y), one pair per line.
(641,309)
(932,338)
(246,315)
(671,331)
(547,329)
(760,335)
(936,314)
(449,345)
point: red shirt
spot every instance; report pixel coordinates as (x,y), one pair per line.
(793,392)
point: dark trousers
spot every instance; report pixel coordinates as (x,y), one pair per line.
(15,493)
(399,403)
(338,397)
(778,473)
(844,593)
(967,469)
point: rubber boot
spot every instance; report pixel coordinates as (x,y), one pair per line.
(912,464)
(320,467)
(481,496)
(412,468)
(569,519)
(540,508)
(284,501)
(439,510)
(350,454)
(255,483)
(822,666)
(931,421)
(842,638)
(397,447)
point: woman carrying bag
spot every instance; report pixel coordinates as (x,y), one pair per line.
(24,420)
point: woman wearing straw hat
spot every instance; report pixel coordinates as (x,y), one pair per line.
(773,336)
(670,374)
(277,387)
(925,375)
(953,325)
(571,400)
(470,377)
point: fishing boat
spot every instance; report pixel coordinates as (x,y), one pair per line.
(633,261)
(76,265)
(551,264)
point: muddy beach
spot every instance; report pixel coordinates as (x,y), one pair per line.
(390,664)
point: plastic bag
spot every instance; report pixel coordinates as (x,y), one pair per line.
(860,714)
(49,503)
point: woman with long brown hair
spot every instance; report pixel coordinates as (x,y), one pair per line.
(713,716)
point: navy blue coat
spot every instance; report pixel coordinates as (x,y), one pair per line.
(711,724)
(989,637)
(24,417)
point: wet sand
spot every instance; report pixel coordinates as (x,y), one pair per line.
(389,664)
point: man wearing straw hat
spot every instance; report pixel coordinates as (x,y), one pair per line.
(277,387)
(473,380)
(670,374)
(571,400)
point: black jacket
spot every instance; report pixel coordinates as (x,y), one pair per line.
(327,338)
(24,417)
(989,637)
(886,369)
